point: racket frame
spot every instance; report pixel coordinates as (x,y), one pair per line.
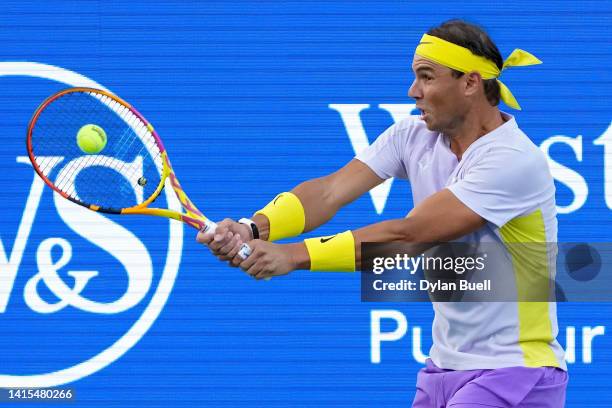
(192,216)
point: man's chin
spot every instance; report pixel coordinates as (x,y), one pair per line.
(425,118)
(429,125)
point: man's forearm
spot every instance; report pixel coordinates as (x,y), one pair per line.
(386,231)
(397,230)
(317,201)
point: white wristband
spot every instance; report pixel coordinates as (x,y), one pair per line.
(251,224)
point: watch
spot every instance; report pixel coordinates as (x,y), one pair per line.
(252,225)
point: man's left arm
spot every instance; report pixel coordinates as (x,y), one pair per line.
(439,218)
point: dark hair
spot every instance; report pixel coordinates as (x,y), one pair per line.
(475,39)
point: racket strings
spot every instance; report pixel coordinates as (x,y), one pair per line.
(128,143)
(60,118)
(52,128)
(65,184)
(125,141)
(141,129)
(125,173)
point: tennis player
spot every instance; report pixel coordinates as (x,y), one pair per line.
(476,177)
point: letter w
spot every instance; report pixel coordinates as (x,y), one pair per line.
(9,264)
(350,115)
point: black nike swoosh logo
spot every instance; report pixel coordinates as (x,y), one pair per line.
(425,42)
(324,240)
(277,199)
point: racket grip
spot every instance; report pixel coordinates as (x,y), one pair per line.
(209,227)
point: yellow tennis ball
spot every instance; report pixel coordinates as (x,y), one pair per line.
(91,139)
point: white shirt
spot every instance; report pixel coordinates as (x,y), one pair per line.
(504,178)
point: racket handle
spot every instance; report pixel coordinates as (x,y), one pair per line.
(209,227)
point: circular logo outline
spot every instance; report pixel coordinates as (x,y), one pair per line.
(166,282)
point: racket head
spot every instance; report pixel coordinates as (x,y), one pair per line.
(127,175)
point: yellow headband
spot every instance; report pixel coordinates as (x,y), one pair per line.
(461,59)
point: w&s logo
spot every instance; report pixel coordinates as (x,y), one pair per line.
(77,289)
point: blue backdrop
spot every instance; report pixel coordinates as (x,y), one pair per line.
(250,98)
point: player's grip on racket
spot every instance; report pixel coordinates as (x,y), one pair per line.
(113,161)
(244,251)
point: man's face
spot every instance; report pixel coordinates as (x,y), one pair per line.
(438,95)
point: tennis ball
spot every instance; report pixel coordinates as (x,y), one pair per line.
(91,139)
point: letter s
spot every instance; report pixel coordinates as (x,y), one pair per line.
(572,179)
(114,239)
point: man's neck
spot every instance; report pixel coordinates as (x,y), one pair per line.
(476,124)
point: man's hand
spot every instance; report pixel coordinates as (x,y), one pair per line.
(268,259)
(226,240)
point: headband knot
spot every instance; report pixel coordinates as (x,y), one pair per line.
(461,59)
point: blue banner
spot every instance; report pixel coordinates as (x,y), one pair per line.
(250,99)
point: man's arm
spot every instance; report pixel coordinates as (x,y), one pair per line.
(441,217)
(323,197)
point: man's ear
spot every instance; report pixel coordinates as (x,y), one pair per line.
(473,83)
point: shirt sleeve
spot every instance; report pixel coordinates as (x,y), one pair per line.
(386,155)
(504,184)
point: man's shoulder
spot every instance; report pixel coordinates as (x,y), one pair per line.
(515,160)
(514,146)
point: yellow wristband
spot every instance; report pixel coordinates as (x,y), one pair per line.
(286,216)
(335,253)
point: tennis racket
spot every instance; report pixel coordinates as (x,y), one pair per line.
(126,176)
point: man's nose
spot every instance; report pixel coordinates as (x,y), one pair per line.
(414,91)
